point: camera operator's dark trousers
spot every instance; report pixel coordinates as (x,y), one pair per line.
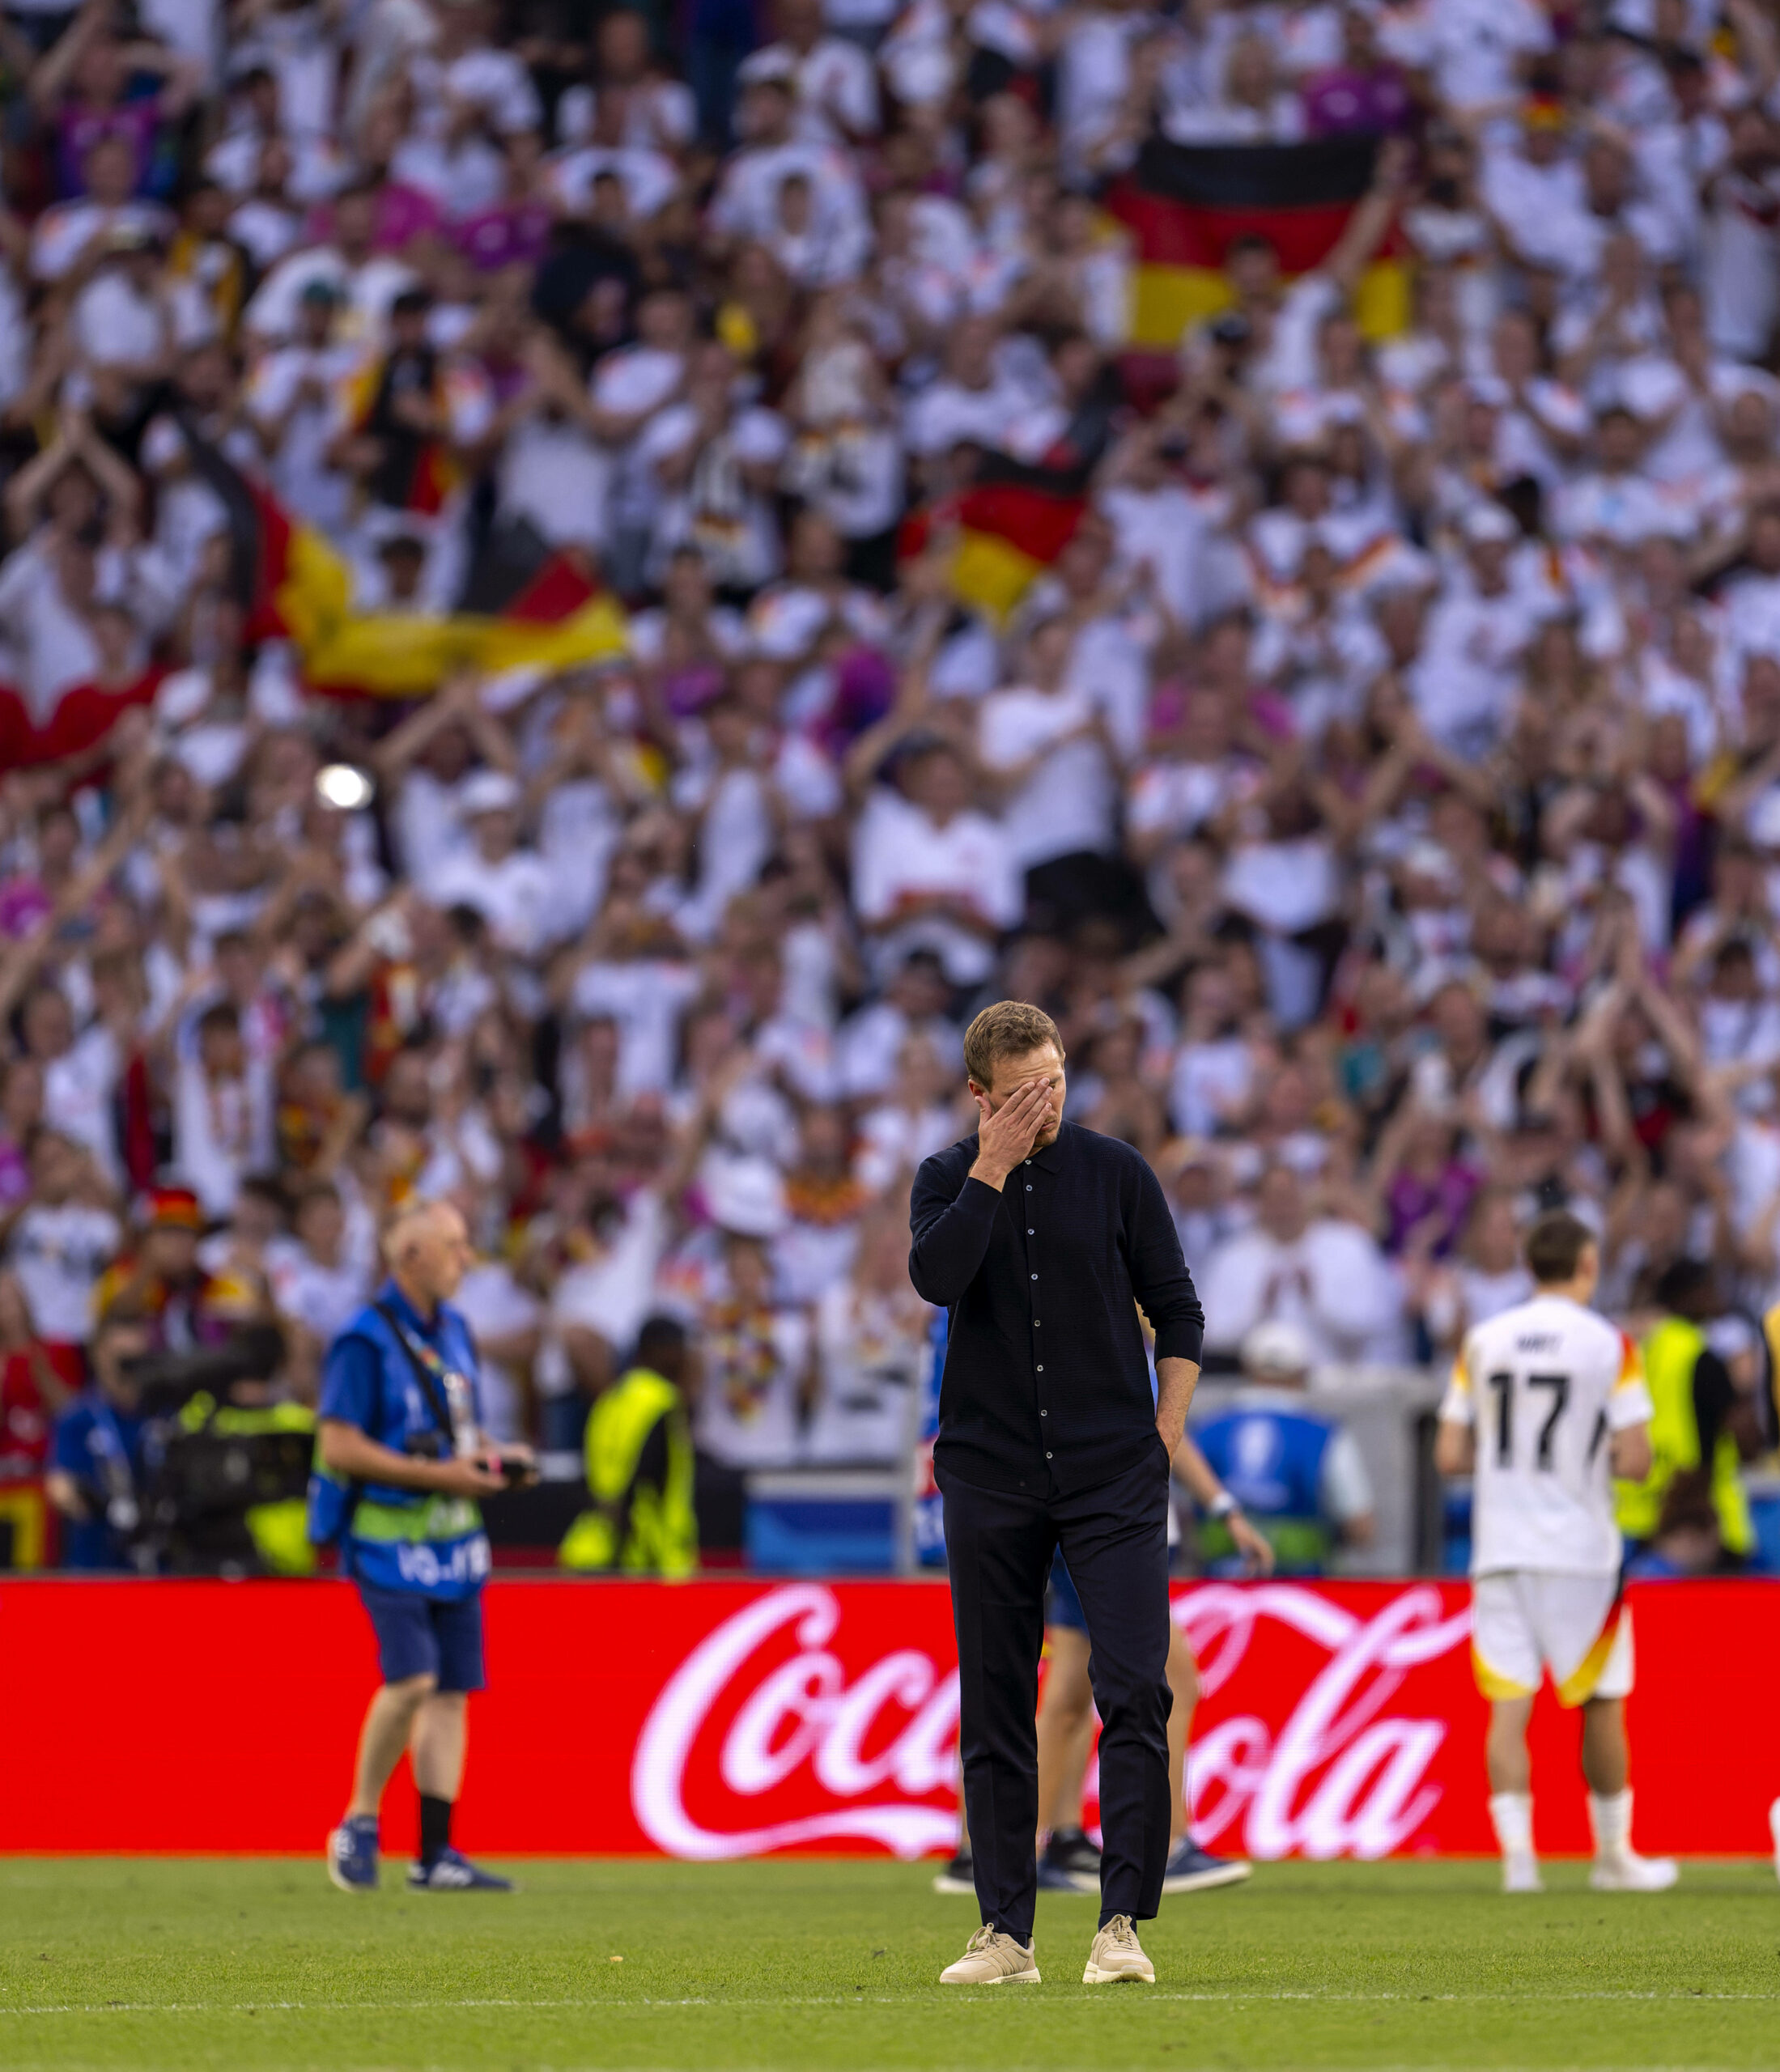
(998,1548)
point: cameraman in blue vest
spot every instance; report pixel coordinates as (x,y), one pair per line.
(400,1462)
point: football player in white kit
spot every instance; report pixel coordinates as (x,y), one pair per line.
(1546,1405)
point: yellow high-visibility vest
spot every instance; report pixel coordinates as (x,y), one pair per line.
(632,1529)
(1671,1352)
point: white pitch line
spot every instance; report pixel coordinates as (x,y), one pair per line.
(918,1999)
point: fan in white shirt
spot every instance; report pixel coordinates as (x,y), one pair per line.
(293,401)
(913,1003)
(367,280)
(745,204)
(836,86)
(508,1320)
(1156,524)
(1487,1276)
(978,400)
(59,1244)
(930,873)
(221,1111)
(67,230)
(510,887)
(658,114)
(1325,1276)
(320,1276)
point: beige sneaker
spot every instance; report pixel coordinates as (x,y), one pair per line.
(1117,1954)
(992,1958)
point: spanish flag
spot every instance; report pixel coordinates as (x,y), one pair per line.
(1007,528)
(1186,205)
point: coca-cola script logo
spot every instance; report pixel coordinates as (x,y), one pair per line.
(1342,1777)
(804,1711)
(740,1722)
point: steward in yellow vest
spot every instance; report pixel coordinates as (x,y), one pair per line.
(639,1467)
(1703,1426)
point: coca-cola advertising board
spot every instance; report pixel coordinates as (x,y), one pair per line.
(716,1719)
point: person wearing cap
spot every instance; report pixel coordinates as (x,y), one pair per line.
(509,886)
(163,1280)
(1296,1474)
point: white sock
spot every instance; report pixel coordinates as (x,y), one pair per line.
(1512,1812)
(1613,1818)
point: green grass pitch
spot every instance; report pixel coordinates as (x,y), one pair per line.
(151,1963)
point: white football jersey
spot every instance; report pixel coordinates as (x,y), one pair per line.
(1543,1385)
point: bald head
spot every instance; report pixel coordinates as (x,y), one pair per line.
(428,1251)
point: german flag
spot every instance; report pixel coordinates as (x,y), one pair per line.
(1008,527)
(1186,205)
(554,617)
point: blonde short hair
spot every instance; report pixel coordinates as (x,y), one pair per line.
(1010,1029)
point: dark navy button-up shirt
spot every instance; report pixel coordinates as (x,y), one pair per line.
(1045,1387)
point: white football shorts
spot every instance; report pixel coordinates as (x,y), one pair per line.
(1524,1621)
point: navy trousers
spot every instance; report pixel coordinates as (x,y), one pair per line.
(998,1548)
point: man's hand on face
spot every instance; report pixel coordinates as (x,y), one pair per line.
(1007,1134)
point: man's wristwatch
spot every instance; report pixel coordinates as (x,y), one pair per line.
(1221,1505)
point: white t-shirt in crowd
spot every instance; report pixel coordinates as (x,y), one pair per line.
(1334,1282)
(58,1254)
(898,852)
(1069,802)
(496,1307)
(514,896)
(646,997)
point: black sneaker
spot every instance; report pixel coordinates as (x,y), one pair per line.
(1053,1878)
(453,1872)
(1190,1869)
(958,1876)
(1070,1854)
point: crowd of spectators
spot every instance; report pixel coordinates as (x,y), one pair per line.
(1381,787)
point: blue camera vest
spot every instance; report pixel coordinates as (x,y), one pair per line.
(404,1539)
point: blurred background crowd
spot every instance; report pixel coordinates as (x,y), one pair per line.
(1374,765)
